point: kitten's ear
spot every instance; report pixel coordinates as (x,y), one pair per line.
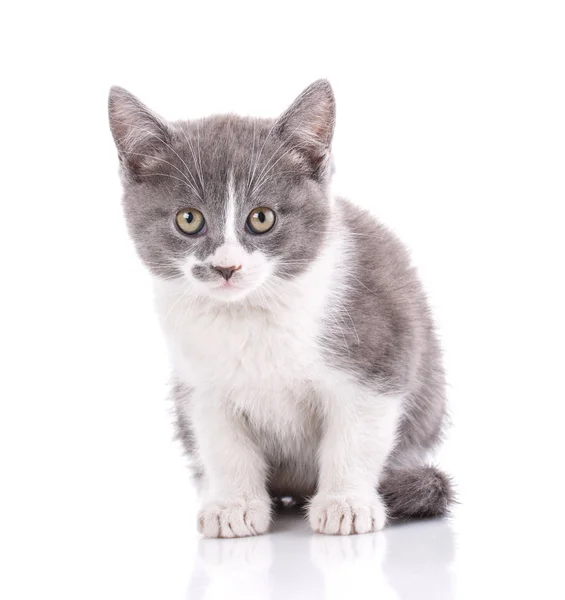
(309,125)
(140,134)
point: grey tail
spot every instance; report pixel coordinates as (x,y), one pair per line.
(417,492)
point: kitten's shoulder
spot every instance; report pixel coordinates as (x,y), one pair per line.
(374,244)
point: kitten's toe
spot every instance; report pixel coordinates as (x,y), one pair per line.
(234,519)
(342,515)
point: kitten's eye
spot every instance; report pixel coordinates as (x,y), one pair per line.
(190,221)
(261,220)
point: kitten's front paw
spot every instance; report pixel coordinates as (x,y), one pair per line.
(344,515)
(239,518)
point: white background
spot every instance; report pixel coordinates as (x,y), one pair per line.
(451,129)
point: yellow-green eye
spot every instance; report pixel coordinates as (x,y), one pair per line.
(261,220)
(190,221)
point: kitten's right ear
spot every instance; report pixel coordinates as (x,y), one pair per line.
(140,134)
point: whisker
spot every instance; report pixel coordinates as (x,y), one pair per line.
(277,174)
(342,307)
(170,164)
(189,143)
(181,296)
(200,157)
(163,175)
(361,283)
(261,151)
(270,159)
(251,160)
(147,131)
(285,141)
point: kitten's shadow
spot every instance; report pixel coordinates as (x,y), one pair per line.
(406,561)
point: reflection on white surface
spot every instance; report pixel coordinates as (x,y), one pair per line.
(404,562)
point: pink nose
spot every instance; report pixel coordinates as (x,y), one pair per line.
(227,272)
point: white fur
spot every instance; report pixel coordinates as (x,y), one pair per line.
(257,363)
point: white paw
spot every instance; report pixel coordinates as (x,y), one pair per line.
(238,518)
(344,515)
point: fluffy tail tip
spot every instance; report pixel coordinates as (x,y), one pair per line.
(417,493)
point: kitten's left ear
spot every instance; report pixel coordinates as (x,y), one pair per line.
(308,125)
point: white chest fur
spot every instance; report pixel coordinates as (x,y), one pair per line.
(266,360)
(263,361)
(245,349)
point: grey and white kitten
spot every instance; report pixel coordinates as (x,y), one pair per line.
(305,359)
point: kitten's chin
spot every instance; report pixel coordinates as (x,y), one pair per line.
(227,293)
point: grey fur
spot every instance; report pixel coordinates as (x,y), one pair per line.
(168,167)
(416,492)
(391,345)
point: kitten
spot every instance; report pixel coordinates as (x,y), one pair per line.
(305,358)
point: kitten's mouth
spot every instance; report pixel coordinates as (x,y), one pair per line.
(227,286)
(228,291)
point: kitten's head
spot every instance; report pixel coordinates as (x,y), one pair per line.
(227,205)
